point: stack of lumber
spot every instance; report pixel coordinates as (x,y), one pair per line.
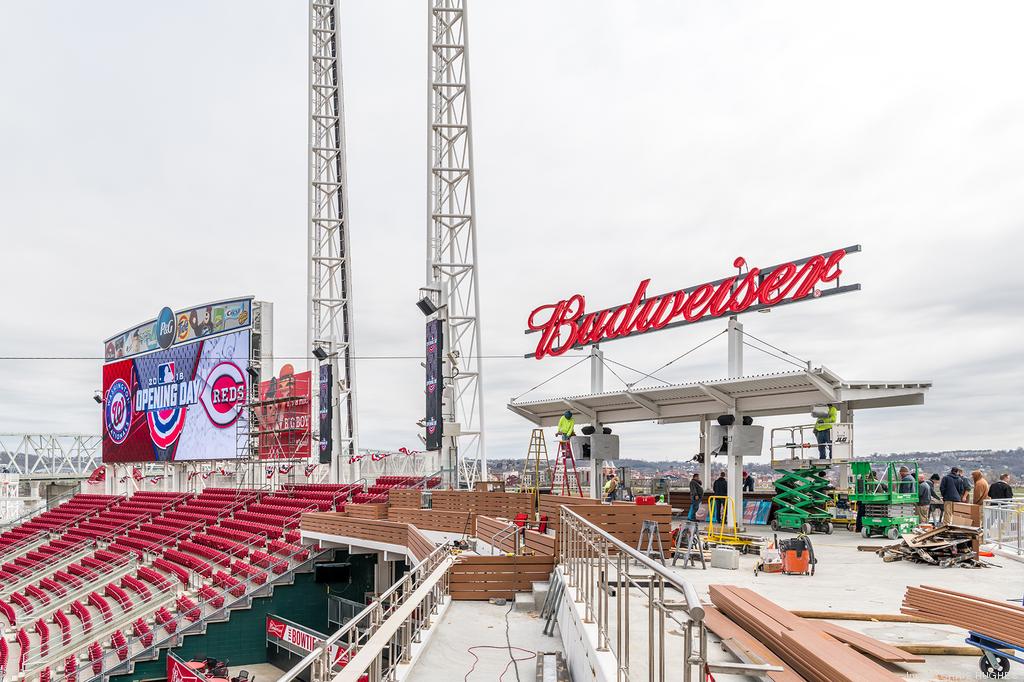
(815,651)
(944,546)
(996,619)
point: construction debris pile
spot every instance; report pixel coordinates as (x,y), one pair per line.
(815,651)
(997,619)
(944,546)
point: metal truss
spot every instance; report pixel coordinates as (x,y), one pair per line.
(49,456)
(451,229)
(330,272)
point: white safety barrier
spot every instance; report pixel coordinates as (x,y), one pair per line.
(1003,523)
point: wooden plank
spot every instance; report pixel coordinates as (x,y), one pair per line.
(812,653)
(479,578)
(865,617)
(719,624)
(869,645)
(461,522)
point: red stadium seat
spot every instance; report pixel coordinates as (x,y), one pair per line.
(24,644)
(37,594)
(22,601)
(211,596)
(188,608)
(43,630)
(141,629)
(61,619)
(137,586)
(170,567)
(53,586)
(166,619)
(96,657)
(102,605)
(119,595)
(79,610)
(154,578)
(120,645)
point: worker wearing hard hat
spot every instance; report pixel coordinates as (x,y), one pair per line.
(566,426)
(823,431)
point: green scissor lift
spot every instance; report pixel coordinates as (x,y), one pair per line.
(887,511)
(801,498)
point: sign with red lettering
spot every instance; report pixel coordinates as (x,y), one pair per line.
(302,639)
(567,324)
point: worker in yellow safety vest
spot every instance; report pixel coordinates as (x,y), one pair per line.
(823,431)
(566,426)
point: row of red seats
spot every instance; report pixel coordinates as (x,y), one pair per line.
(268,519)
(366,498)
(267,531)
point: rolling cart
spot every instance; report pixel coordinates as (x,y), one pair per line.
(994,663)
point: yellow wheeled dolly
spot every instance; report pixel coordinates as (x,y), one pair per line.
(723,533)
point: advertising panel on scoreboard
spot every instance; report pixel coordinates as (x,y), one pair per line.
(188,402)
(283,415)
(179,327)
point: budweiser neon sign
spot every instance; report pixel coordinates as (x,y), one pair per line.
(567,324)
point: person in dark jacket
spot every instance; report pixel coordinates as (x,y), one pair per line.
(906,481)
(963,484)
(696,496)
(935,509)
(1001,489)
(951,491)
(748,482)
(720,488)
(924,497)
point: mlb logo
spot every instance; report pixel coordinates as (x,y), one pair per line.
(165,373)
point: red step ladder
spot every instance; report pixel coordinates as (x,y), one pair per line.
(565,470)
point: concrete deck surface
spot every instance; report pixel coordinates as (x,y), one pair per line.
(467,624)
(848,580)
(258,672)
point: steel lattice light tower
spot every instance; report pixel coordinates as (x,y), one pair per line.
(452,267)
(330,273)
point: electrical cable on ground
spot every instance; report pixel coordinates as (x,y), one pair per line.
(508,641)
(532,655)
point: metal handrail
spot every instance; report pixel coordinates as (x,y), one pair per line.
(49,506)
(510,530)
(1003,524)
(349,638)
(602,569)
(184,626)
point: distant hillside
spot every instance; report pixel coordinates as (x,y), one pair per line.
(990,461)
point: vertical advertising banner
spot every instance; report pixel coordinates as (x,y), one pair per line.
(434,384)
(284,415)
(326,413)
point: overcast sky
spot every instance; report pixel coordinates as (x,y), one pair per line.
(154,154)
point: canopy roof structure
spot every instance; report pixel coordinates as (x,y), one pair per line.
(757,396)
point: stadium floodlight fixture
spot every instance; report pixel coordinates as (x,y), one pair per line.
(319,353)
(426,306)
(97,398)
(253,373)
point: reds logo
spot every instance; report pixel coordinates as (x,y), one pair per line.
(117,411)
(224,394)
